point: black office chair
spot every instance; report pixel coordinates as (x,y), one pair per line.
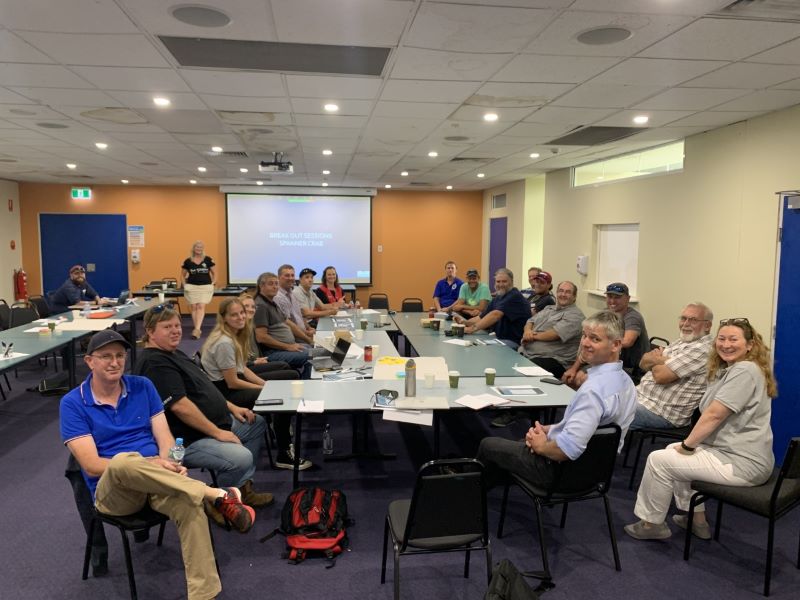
(5,314)
(172,282)
(447,513)
(378,301)
(22,315)
(654,342)
(586,478)
(41,306)
(412,305)
(773,499)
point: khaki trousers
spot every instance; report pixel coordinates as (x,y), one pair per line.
(130,481)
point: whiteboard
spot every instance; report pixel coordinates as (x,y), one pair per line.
(618,255)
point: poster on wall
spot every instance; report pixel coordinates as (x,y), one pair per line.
(135,236)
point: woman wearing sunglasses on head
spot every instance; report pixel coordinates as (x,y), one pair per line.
(731,443)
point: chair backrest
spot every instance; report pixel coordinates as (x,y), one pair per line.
(171,282)
(5,314)
(154,285)
(593,469)
(41,306)
(21,315)
(449,500)
(412,305)
(790,469)
(655,342)
(378,301)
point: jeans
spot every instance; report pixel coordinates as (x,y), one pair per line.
(647,419)
(296,360)
(233,463)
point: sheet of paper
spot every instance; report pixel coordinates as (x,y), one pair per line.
(417,417)
(11,355)
(458,342)
(89,324)
(518,390)
(479,401)
(370,311)
(533,371)
(423,403)
(311,406)
(342,313)
(354,351)
(390,369)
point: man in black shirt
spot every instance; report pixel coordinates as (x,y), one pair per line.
(217,434)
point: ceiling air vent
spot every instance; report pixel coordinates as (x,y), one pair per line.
(499,201)
(594,136)
(231,154)
(419,183)
(762,10)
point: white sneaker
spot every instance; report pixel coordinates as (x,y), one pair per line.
(286,461)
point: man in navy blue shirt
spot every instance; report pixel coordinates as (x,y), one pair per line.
(73,291)
(445,293)
(506,314)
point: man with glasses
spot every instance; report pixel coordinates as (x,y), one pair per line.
(73,291)
(675,377)
(114,425)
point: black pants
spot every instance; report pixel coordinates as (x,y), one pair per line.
(501,456)
(549,364)
(274,370)
(85,506)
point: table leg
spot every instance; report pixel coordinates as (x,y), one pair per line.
(435,434)
(298,426)
(69,356)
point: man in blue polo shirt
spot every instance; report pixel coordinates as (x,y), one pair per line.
(445,293)
(114,425)
(506,314)
(608,396)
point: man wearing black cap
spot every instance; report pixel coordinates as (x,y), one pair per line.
(73,291)
(311,307)
(473,297)
(114,425)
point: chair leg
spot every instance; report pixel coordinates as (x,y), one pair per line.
(268,443)
(488,562)
(719,520)
(88,553)
(687,542)
(161,533)
(396,572)
(466,562)
(129,564)
(629,440)
(503,511)
(542,546)
(770,543)
(611,533)
(564,515)
(636,461)
(385,543)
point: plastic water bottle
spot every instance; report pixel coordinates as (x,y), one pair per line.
(411,378)
(327,440)
(177,451)
(86,311)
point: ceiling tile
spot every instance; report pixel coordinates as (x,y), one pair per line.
(133,79)
(330,121)
(310,86)
(684,98)
(564,115)
(535,130)
(401,131)
(9,97)
(763,101)
(234,83)
(249,103)
(794,84)
(418,63)
(15,49)
(144,100)
(97,49)
(517,95)
(658,118)
(746,76)
(315,106)
(654,71)
(504,115)
(787,54)
(553,69)
(338,133)
(185,121)
(712,119)
(77,16)
(598,95)
(723,39)
(54,96)
(39,75)
(428,91)
(427,110)
(652,7)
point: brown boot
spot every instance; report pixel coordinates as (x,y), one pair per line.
(254,498)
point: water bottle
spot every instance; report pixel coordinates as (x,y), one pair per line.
(177,451)
(86,311)
(411,378)
(358,314)
(327,440)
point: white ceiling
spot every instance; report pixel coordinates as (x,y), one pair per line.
(66,66)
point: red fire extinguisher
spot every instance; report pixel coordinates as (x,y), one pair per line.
(20,285)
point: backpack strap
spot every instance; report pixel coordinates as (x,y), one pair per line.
(272,534)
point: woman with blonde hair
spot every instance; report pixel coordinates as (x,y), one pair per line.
(731,443)
(198,277)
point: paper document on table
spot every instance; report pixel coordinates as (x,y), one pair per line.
(311,406)
(533,371)
(370,311)
(342,313)
(389,369)
(12,355)
(518,390)
(459,342)
(89,324)
(417,417)
(422,403)
(354,351)
(479,401)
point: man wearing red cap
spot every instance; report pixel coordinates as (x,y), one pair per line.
(540,294)
(73,291)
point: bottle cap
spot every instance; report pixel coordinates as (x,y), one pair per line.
(410,364)
(179,441)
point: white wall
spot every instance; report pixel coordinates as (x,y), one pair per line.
(9,231)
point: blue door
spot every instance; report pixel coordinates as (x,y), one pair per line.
(98,242)
(498,242)
(786,407)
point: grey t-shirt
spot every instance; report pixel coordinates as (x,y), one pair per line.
(744,439)
(270,316)
(567,324)
(219,357)
(634,321)
(307,300)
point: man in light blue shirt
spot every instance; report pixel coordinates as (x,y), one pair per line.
(607,396)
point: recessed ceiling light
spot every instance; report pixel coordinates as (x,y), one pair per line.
(481,175)
(602,36)
(404,174)
(388,186)
(193,181)
(216,149)
(72,166)
(101,145)
(242,169)
(331,107)
(449,187)
(161,101)
(324,184)
(259,183)
(125,181)
(641,119)
(326,172)
(535,155)
(202,169)
(433,154)
(327,152)
(491,117)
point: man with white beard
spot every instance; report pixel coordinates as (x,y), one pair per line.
(675,376)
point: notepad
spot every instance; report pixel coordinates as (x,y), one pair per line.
(479,401)
(518,390)
(533,371)
(423,403)
(311,406)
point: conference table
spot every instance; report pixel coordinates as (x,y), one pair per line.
(230,290)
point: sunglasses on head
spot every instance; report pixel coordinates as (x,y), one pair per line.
(738,321)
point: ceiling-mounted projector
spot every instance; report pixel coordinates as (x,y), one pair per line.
(277,166)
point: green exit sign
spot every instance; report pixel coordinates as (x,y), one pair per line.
(81,193)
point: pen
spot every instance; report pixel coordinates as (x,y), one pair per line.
(8,349)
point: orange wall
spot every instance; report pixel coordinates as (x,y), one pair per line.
(419,231)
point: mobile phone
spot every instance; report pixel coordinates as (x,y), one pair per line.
(551,380)
(269,402)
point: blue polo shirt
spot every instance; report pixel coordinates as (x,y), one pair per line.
(126,428)
(516,312)
(447,293)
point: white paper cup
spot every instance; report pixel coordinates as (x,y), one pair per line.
(297,389)
(385,320)
(76,314)
(359,333)
(430,378)
(164,286)
(375,351)
(161,297)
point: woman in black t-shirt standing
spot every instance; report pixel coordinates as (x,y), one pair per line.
(198,276)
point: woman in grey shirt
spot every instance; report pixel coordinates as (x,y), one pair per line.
(731,443)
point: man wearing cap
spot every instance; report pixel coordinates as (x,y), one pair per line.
(473,297)
(311,307)
(73,291)
(635,342)
(542,286)
(114,425)
(446,291)
(303,333)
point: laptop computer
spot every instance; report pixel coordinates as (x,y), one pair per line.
(336,359)
(123,298)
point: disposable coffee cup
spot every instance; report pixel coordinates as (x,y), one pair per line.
(297,389)
(375,351)
(385,320)
(51,325)
(430,378)
(454,375)
(459,329)
(359,334)
(364,324)
(161,297)
(164,286)
(76,314)
(489,373)
(435,324)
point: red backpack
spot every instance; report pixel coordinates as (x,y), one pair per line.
(313,519)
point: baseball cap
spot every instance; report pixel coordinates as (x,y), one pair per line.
(76,268)
(545,276)
(617,289)
(104,338)
(306,271)
(473,273)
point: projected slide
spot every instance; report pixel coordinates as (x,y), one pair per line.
(266,231)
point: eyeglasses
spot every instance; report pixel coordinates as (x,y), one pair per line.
(107,358)
(691,320)
(738,321)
